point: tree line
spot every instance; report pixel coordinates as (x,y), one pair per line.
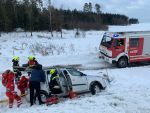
(32,16)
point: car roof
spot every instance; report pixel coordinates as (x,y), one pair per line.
(58,68)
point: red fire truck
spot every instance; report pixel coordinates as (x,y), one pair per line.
(123,48)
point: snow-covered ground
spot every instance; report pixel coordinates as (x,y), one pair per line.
(57,50)
(129,91)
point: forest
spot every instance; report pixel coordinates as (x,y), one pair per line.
(30,15)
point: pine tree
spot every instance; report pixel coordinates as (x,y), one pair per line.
(97,8)
(86,8)
(90,7)
(133,21)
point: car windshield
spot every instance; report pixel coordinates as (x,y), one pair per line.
(106,41)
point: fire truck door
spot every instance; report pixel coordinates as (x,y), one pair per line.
(135,46)
(119,47)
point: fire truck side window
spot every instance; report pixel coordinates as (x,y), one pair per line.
(134,42)
(106,41)
(119,42)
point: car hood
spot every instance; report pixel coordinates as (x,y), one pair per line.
(101,78)
(94,77)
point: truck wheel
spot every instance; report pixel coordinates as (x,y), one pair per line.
(122,62)
(95,88)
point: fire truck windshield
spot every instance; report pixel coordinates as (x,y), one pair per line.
(106,41)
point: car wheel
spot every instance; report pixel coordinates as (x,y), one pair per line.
(44,95)
(95,88)
(122,62)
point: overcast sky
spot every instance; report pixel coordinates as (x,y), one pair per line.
(132,8)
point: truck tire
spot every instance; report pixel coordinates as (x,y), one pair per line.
(122,62)
(95,88)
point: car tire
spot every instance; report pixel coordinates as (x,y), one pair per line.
(44,95)
(95,88)
(122,62)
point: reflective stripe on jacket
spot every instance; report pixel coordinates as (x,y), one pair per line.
(55,77)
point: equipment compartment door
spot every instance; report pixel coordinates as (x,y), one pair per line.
(135,46)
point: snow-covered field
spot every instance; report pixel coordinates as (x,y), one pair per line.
(129,92)
(57,50)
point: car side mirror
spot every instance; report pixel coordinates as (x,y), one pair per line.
(82,74)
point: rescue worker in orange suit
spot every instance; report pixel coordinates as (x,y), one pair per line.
(18,74)
(22,85)
(10,93)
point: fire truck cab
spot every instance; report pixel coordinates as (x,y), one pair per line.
(123,48)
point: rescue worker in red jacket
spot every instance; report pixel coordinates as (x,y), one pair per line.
(32,61)
(10,93)
(23,84)
(31,64)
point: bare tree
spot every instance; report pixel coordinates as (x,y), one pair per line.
(61,19)
(3,16)
(30,17)
(50,18)
(15,12)
(30,11)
